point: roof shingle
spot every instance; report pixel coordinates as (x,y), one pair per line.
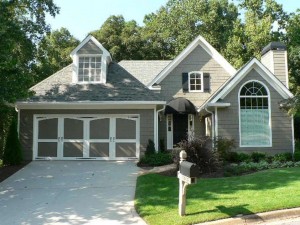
(120,86)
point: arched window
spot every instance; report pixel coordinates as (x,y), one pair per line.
(255,125)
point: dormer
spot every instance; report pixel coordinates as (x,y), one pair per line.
(90,62)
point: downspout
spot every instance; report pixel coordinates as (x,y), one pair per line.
(18,126)
(156,127)
(212,124)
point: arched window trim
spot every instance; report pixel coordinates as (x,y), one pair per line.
(269,109)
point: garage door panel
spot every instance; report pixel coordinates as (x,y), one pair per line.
(125,128)
(99,149)
(73,129)
(73,149)
(47,149)
(125,149)
(83,136)
(99,129)
(48,129)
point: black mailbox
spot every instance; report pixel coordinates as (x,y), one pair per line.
(189,169)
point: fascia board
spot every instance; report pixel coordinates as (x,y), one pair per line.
(89,105)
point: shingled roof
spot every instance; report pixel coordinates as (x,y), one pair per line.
(120,86)
(144,70)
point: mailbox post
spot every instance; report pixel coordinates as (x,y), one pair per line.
(187,174)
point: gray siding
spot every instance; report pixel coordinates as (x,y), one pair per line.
(276,61)
(280,66)
(197,60)
(90,48)
(26,125)
(228,125)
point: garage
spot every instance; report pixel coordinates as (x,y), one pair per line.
(94,137)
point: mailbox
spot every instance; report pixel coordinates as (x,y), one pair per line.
(189,169)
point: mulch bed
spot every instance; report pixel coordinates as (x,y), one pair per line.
(7,171)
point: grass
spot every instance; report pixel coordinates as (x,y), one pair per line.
(211,199)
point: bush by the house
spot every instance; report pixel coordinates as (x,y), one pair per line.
(283,157)
(224,146)
(12,154)
(199,151)
(258,156)
(150,149)
(156,159)
(162,147)
(234,169)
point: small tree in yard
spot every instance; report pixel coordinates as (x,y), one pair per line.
(12,152)
(150,149)
(199,151)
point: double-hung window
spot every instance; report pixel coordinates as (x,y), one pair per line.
(195,81)
(89,69)
(255,123)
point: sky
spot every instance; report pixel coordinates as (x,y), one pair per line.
(83,16)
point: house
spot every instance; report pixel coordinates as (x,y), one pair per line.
(98,109)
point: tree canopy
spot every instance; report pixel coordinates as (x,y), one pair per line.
(53,52)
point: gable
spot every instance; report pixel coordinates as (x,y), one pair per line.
(243,72)
(176,84)
(199,41)
(90,48)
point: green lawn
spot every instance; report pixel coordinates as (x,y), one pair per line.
(210,199)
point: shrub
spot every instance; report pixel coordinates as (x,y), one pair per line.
(297,156)
(199,151)
(243,157)
(224,146)
(156,159)
(234,169)
(162,147)
(12,154)
(283,157)
(150,149)
(258,156)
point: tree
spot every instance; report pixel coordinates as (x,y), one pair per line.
(122,39)
(22,25)
(12,152)
(256,31)
(175,25)
(53,52)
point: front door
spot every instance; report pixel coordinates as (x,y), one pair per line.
(180,127)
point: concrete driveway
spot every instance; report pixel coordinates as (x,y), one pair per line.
(70,192)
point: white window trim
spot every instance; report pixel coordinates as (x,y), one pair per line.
(76,68)
(270,115)
(201,77)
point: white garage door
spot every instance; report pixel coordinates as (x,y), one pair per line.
(104,137)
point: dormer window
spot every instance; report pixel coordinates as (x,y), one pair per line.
(89,68)
(90,62)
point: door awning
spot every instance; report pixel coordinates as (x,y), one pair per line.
(180,106)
